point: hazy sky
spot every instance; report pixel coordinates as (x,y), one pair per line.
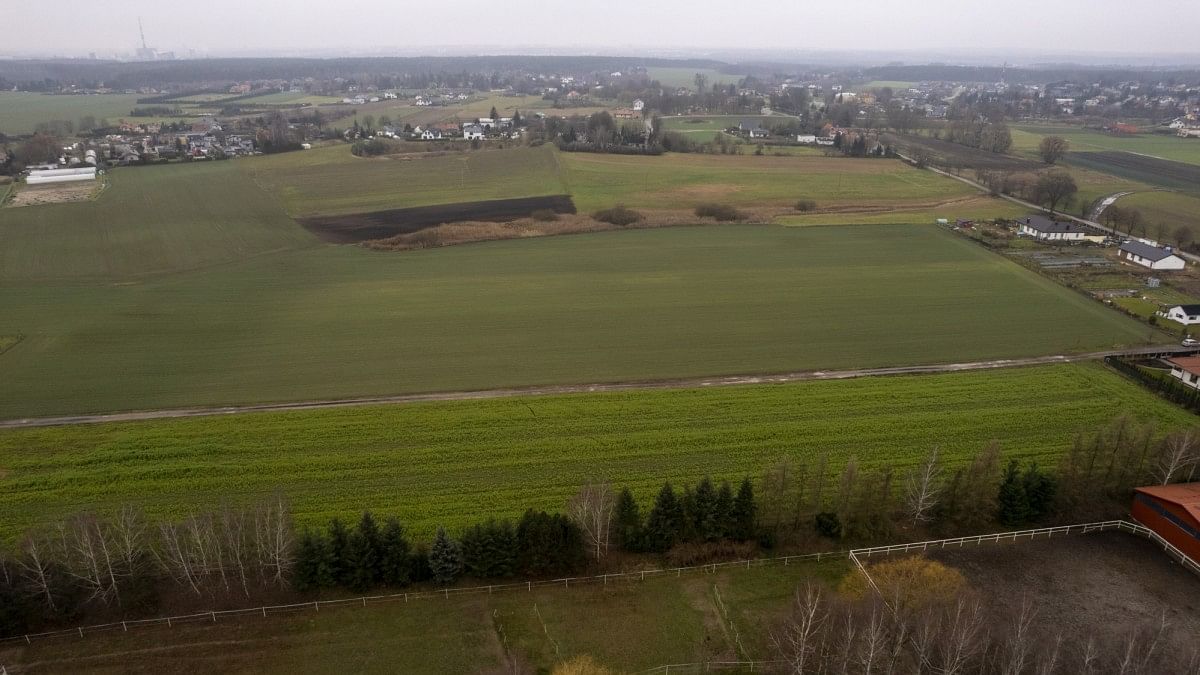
(612,26)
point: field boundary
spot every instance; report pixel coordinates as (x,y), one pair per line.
(855,556)
(594,388)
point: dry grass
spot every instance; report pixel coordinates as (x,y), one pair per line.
(55,194)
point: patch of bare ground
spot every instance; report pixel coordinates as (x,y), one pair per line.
(54,194)
(1105,585)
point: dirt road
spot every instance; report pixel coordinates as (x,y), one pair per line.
(686,383)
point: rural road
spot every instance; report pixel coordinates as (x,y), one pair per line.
(685,383)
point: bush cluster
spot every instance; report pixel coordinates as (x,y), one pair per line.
(719,212)
(618,215)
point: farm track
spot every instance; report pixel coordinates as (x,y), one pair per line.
(593,388)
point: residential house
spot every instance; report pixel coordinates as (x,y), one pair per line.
(1187,315)
(1045,229)
(472,132)
(1154,257)
(431,135)
(1186,369)
(639,104)
(806,139)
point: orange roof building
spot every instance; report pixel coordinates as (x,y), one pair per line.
(1172,511)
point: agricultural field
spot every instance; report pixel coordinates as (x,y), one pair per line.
(1149,170)
(972,208)
(20,112)
(289,98)
(686,77)
(331,181)
(897,85)
(631,626)
(147,221)
(1168,208)
(1027,137)
(685,180)
(712,124)
(435,463)
(331,321)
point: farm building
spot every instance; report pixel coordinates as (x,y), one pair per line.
(807,139)
(52,176)
(1185,314)
(1172,511)
(1187,370)
(1045,229)
(1141,253)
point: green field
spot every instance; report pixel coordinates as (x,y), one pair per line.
(675,180)
(712,124)
(1027,137)
(20,112)
(149,220)
(973,208)
(288,98)
(437,463)
(328,321)
(894,84)
(686,77)
(631,626)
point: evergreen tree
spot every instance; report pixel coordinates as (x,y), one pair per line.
(688,516)
(395,564)
(490,550)
(1012,504)
(445,558)
(665,522)
(494,114)
(360,563)
(627,522)
(724,511)
(339,541)
(1040,490)
(744,512)
(314,563)
(372,542)
(549,544)
(704,517)
(516,120)
(418,565)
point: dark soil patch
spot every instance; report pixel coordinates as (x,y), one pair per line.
(1102,585)
(1161,172)
(359,227)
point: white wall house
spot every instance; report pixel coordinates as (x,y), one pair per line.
(472,132)
(1188,315)
(1155,258)
(1044,229)
(807,139)
(1187,370)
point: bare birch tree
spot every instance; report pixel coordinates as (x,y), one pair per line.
(1177,455)
(592,510)
(273,538)
(35,563)
(923,487)
(798,640)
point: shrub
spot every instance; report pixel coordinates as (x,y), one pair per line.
(545,215)
(617,215)
(828,525)
(719,212)
(805,205)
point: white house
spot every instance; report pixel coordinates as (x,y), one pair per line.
(1155,258)
(638,104)
(431,135)
(1187,315)
(1187,370)
(472,132)
(807,139)
(1045,229)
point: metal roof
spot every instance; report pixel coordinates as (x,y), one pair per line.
(1184,495)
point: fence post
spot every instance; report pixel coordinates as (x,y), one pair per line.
(316,606)
(447,591)
(264,611)
(214,614)
(364,600)
(81,631)
(168,622)
(27,640)
(124,627)
(529,586)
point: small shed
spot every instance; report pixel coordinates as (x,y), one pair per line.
(1173,512)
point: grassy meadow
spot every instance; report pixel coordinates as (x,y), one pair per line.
(439,463)
(1027,137)
(21,112)
(686,77)
(974,208)
(148,220)
(327,321)
(630,626)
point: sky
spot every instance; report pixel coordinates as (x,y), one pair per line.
(1020,30)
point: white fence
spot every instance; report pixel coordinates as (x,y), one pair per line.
(855,556)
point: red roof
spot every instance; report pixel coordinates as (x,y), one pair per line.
(1190,364)
(1184,495)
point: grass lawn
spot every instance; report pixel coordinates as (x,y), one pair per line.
(149,220)
(880,84)
(686,77)
(712,124)
(1027,137)
(329,180)
(630,626)
(20,112)
(289,97)
(455,463)
(342,321)
(1168,208)
(684,180)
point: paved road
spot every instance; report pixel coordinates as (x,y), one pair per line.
(687,383)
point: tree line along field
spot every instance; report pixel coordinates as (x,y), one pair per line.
(434,464)
(21,112)
(332,322)
(631,626)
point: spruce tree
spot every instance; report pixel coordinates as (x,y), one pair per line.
(490,550)
(744,512)
(369,529)
(704,511)
(445,558)
(361,563)
(627,522)
(339,541)
(724,511)
(395,564)
(665,521)
(1012,504)
(314,563)
(1040,490)
(549,544)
